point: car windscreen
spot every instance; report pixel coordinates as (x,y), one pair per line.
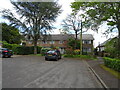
(50,51)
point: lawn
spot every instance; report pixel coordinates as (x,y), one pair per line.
(113,72)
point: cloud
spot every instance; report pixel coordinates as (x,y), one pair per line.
(5,4)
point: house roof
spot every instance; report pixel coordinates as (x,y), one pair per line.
(87,37)
(67,36)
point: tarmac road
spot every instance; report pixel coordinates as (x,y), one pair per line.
(35,72)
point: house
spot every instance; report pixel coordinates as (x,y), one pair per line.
(60,40)
(101,48)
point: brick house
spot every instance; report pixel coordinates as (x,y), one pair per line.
(60,40)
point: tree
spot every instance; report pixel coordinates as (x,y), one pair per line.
(10,34)
(99,13)
(111,47)
(72,24)
(71,43)
(75,23)
(35,18)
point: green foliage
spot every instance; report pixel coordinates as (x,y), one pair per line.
(77,51)
(10,34)
(112,63)
(36,18)
(9,46)
(20,50)
(112,47)
(44,50)
(26,50)
(99,13)
(72,42)
(69,50)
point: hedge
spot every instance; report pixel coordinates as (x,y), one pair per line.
(112,63)
(25,50)
(21,50)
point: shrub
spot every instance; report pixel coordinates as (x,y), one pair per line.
(25,50)
(69,51)
(21,50)
(112,63)
(77,51)
(44,50)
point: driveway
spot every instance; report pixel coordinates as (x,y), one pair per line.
(35,72)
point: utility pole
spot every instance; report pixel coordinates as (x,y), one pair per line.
(81,39)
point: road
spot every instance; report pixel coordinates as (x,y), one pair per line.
(35,72)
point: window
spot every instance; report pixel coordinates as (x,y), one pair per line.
(86,49)
(90,42)
(44,42)
(86,41)
(52,42)
(61,42)
(89,50)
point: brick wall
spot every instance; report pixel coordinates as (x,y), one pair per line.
(56,44)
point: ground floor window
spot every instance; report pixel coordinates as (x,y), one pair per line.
(87,50)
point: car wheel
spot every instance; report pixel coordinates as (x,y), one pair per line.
(46,59)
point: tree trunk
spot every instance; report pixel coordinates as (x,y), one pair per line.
(35,47)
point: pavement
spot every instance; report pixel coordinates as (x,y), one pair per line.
(110,80)
(34,72)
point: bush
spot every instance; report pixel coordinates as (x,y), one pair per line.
(9,46)
(44,50)
(77,51)
(21,50)
(25,50)
(112,63)
(69,51)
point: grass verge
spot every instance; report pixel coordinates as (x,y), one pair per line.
(113,72)
(86,57)
(36,54)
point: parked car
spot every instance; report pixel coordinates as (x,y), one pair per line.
(53,54)
(5,52)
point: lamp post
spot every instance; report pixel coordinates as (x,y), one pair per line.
(81,39)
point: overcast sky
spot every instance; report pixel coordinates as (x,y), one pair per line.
(98,37)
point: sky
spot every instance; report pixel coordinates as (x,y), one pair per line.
(98,36)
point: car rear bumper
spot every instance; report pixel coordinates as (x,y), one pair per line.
(51,57)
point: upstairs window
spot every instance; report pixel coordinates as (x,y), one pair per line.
(86,41)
